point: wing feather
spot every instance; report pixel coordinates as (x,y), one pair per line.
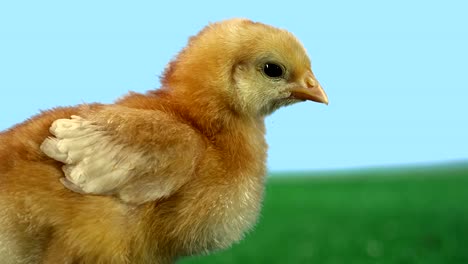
(99,159)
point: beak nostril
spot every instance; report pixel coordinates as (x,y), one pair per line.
(311,83)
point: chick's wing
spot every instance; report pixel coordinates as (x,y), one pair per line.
(137,155)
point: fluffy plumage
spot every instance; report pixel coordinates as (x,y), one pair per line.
(177,171)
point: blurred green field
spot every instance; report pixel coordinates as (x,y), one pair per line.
(405,215)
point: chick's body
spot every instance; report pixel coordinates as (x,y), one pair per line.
(174,172)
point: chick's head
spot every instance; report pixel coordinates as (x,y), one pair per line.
(250,67)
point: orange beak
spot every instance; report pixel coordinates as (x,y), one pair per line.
(310,90)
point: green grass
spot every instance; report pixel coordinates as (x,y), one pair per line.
(413,215)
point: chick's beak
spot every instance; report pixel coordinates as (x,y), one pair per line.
(310,89)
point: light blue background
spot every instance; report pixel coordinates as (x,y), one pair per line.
(395,71)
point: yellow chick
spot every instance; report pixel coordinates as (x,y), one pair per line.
(153,177)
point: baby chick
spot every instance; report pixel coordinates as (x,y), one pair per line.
(174,172)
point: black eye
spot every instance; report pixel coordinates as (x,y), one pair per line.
(272,70)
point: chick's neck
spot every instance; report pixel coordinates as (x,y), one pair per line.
(211,113)
(208,113)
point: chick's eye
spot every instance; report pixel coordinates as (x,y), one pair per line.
(273,70)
